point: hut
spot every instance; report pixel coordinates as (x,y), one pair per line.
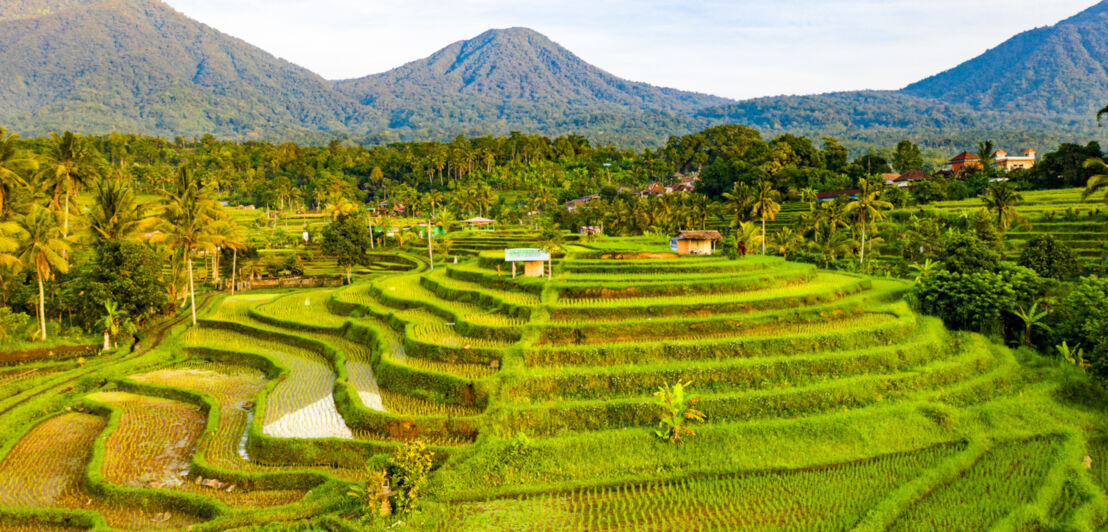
(531,258)
(695,242)
(479,224)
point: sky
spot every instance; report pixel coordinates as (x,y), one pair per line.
(737,49)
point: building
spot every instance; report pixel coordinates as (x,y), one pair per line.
(531,258)
(908,179)
(479,224)
(695,242)
(964,161)
(1015,162)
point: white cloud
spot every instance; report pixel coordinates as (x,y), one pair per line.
(739,49)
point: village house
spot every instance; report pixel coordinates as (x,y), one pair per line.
(531,258)
(907,179)
(695,242)
(1015,162)
(479,223)
(963,161)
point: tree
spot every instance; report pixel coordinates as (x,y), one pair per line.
(14,164)
(986,150)
(69,165)
(43,249)
(907,157)
(111,322)
(1049,258)
(186,219)
(1002,199)
(347,239)
(1098,181)
(1066,166)
(738,202)
(763,202)
(867,209)
(126,273)
(115,215)
(552,241)
(786,240)
(678,411)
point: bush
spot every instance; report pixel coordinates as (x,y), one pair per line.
(12,324)
(1049,258)
(977,300)
(965,253)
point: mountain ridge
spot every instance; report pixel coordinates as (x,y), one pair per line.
(139,65)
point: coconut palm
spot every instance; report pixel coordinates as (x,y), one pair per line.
(69,165)
(866,210)
(227,233)
(115,215)
(14,164)
(987,152)
(186,219)
(1098,181)
(43,248)
(763,202)
(738,202)
(833,246)
(786,240)
(1002,199)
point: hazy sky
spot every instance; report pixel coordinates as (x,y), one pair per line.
(737,48)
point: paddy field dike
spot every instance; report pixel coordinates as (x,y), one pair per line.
(830,405)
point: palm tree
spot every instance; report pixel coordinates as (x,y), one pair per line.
(987,152)
(763,202)
(13,163)
(738,202)
(68,165)
(867,210)
(786,240)
(1031,317)
(833,246)
(115,215)
(1100,180)
(444,245)
(186,217)
(111,321)
(1002,199)
(226,232)
(808,195)
(44,249)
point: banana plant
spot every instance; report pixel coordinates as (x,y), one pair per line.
(678,411)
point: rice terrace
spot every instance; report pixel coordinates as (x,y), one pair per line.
(501,289)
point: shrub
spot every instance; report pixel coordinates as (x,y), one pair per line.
(411,464)
(965,253)
(1049,258)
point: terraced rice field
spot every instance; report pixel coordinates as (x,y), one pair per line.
(301,406)
(45,469)
(829,405)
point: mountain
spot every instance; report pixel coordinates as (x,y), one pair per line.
(140,66)
(1060,69)
(1037,89)
(509,79)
